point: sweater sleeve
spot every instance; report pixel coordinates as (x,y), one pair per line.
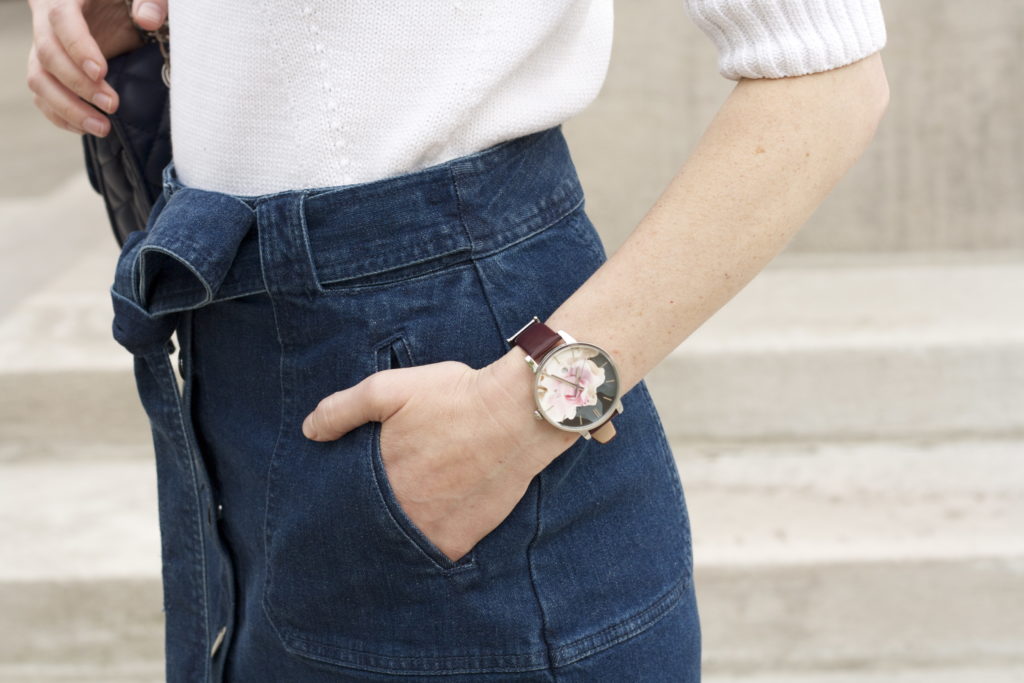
(777,38)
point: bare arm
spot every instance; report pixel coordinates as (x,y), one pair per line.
(771,155)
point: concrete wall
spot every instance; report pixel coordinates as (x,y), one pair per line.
(944,172)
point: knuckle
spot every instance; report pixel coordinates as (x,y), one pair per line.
(44,50)
(324,409)
(77,117)
(376,387)
(56,14)
(74,46)
(68,111)
(81,86)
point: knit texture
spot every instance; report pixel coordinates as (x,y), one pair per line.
(777,38)
(273,95)
(270,95)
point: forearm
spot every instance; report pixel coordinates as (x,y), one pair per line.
(771,155)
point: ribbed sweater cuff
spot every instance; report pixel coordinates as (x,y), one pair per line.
(777,38)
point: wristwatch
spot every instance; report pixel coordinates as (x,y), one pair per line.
(576,385)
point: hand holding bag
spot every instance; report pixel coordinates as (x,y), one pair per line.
(125,167)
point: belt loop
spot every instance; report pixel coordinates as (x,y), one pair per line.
(285,253)
(167,175)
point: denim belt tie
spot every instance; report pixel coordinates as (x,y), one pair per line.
(165,270)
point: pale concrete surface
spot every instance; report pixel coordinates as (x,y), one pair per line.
(922,675)
(63,323)
(855,350)
(807,503)
(66,521)
(855,616)
(101,629)
(42,673)
(42,238)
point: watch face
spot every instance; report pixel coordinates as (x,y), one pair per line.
(577,386)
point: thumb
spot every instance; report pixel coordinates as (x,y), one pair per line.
(375,398)
(149,14)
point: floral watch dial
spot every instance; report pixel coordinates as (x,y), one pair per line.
(577,386)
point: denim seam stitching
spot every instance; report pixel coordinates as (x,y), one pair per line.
(339,285)
(506,245)
(141,261)
(545,635)
(460,203)
(168,372)
(625,628)
(269,494)
(217,541)
(607,637)
(403,663)
(307,251)
(672,472)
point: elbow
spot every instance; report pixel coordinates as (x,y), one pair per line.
(878,96)
(858,97)
(872,95)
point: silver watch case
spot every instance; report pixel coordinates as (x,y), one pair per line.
(538,414)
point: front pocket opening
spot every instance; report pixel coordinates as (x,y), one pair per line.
(398,355)
(394,362)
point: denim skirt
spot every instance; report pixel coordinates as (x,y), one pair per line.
(288,560)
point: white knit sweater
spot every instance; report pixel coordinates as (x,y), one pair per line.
(270,95)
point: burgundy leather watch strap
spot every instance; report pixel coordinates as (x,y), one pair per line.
(537,339)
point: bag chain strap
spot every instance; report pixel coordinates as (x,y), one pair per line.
(162,37)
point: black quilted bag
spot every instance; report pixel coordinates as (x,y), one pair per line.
(126,166)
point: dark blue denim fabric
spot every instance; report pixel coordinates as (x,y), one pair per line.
(298,551)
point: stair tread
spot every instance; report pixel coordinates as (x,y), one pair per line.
(869,501)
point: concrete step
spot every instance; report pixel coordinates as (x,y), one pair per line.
(822,559)
(889,349)
(968,674)
(858,556)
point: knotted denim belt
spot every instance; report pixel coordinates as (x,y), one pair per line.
(200,246)
(167,269)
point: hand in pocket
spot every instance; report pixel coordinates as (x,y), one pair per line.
(459,445)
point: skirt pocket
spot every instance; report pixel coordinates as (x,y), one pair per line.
(394,353)
(350,579)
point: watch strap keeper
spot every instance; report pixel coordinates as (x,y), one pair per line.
(536,339)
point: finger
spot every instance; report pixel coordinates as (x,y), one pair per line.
(54,60)
(66,105)
(54,118)
(72,31)
(149,14)
(375,398)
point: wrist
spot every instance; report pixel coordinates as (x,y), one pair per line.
(507,389)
